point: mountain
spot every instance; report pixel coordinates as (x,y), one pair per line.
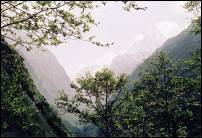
(140,49)
(178,47)
(50,77)
(182,45)
(91,68)
(24,111)
(124,63)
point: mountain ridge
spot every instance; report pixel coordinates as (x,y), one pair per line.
(178,48)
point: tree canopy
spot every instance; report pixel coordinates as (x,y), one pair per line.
(195,8)
(51,22)
(165,101)
(97,100)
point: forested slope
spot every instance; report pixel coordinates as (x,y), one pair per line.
(24,111)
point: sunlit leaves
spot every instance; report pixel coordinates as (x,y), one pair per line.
(96,99)
(195,7)
(58,20)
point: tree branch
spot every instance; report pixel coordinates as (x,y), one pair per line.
(116,97)
(31,16)
(15,40)
(13,6)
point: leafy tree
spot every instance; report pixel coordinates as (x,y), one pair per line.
(97,100)
(14,110)
(192,71)
(130,118)
(166,100)
(195,7)
(50,22)
(166,97)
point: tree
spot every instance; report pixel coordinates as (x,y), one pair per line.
(192,71)
(23,109)
(50,22)
(130,118)
(166,97)
(97,100)
(195,7)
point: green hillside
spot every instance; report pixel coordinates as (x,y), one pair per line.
(24,111)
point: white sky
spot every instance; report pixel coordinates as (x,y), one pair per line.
(128,30)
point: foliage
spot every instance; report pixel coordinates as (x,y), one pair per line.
(170,96)
(192,70)
(97,99)
(51,22)
(166,100)
(21,103)
(195,7)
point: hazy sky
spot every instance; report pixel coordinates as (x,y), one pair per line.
(127,30)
